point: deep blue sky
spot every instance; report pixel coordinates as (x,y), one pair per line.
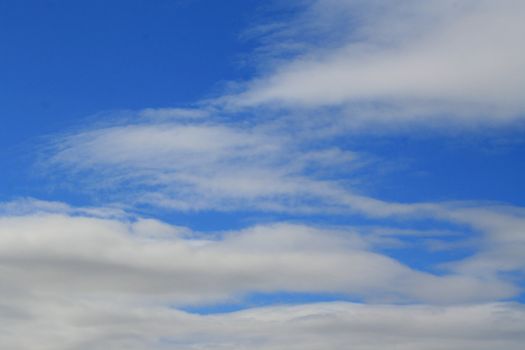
(63,61)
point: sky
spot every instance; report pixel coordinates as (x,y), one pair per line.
(266,175)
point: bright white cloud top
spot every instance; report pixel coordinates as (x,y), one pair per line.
(335,264)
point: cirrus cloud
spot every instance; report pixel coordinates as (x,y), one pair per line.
(432,63)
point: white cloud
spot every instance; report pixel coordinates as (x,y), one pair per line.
(77,279)
(174,113)
(85,255)
(451,61)
(502,248)
(193,166)
(203,165)
(200,165)
(92,324)
(228,166)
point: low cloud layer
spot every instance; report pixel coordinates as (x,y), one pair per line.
(85,256)
(82,280)
(88,324)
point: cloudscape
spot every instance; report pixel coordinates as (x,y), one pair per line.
(246,174)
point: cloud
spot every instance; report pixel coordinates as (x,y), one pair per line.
(274,147)
(433,62)
(222,165)
(201,164)
(227,167)
(91,324)
(87,255)
(79,279)
(503,245)
(174,113)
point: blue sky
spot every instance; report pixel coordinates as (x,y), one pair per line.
(268,175)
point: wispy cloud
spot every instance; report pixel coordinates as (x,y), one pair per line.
(203,164)
(429,63)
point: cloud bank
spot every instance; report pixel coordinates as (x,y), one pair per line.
(90,325)
(87,255)
(80,280)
